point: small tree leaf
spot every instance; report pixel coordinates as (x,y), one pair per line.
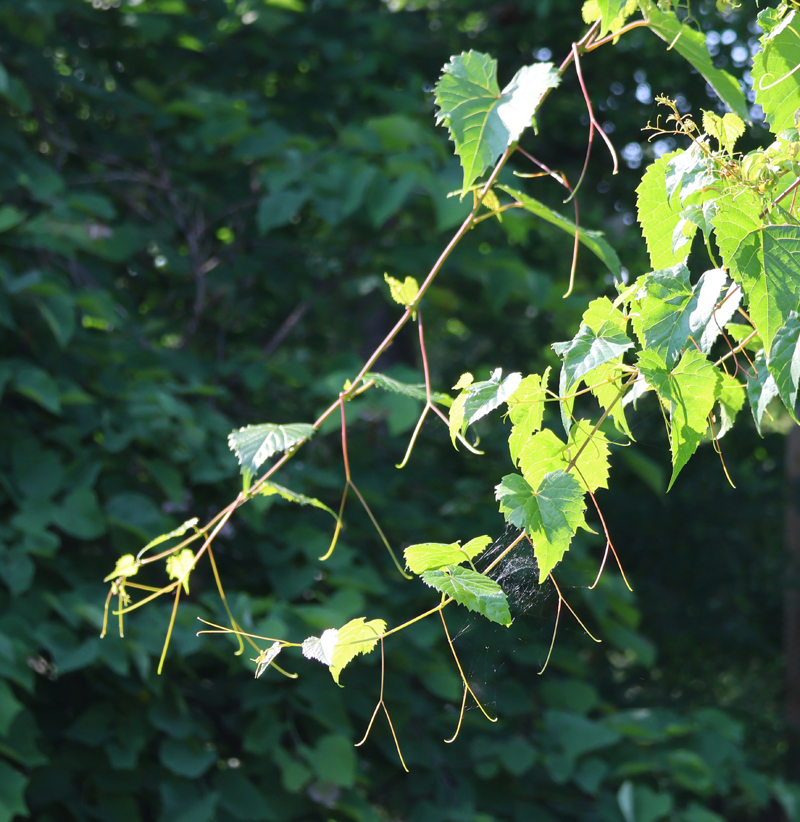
(357,637)
(126,566)
(270,488)
(473,590)
(180,565)
(321,647)
(255,444)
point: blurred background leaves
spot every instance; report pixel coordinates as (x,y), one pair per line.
(199,201)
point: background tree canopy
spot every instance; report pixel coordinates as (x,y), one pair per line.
(199,200)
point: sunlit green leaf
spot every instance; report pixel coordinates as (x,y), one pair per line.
(472,590)
(180,565)
(356,637)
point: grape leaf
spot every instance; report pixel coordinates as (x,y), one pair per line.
(774,84)
(606,388)
(180,565)
(266,657)
(601,338)
(610,10)
(592,464)
(321,647)
(403,293)
(408,390)
(255,444)
(471,589)
(658,215)
(690,390)
(550,516)
(479,399)
(593,240)
(721,317)
(430,555)
(541,454)
(727,130)
(761,390)
(270,488)
(126,566)
(688,172)
(731,400)
(672,311)
(178,532)
(526,410)
(783,362)
(691,45)
(357,637)
(483,121)
(768,264)
(612,13)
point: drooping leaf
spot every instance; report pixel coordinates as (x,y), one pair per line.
(430,555)
(551,515)
(593,240)
(526,410)
(403,293)
(321,647)
(690,390)
(266,657)
(673,311)
(417,392)
(180,565)
(691,45)
(126,567)
(255,444)
(775,74)
(761,389)
(727,130)
(659,215)
(600,339)
(483,121)
(472,590)
(271,488)
(357,637)
(783,361)
(731,400)
(178,532)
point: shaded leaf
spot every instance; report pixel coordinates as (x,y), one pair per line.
(254,444)
(407,389)
(593,240)
(270,488)
(783,362)
(761,389)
